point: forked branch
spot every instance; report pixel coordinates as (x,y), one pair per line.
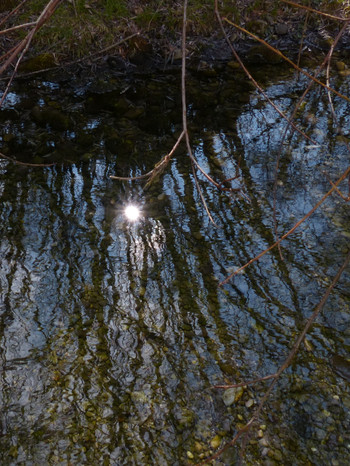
(292,230)
(20,50)
(244,431)
(162,164)
(294,65)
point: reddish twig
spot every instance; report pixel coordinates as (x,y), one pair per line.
(13,12)
(160,166)
(243,384)
(280,54)
(345,198)
(23,46)
(250,77)
(320,202)
(184,116)
(15,28)
(194,163)
(302,40)
(5,55)
(304,7)
(245,430)
(296,108)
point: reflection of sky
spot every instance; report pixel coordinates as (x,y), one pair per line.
(92,124)
(12,98)
(94,308)
(133,242)
(261,139)
(50,85)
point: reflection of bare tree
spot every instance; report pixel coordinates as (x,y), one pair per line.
(142,295)
(245,431)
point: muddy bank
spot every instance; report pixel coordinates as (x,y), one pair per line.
(212,58)
(141,38)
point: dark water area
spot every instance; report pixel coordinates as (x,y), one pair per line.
(113,333)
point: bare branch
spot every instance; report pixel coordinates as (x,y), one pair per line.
(280,54)
(19,26)
(23,46)
(243,384)
(320,202)
(13,12)
(296,108)
(302,40)
(304,7)
(159,167)
(17,162)
(250,77)
(245,430)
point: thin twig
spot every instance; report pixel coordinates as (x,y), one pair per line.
(14,11)
(245,430)
(243,384)
(93,56)
(5,55)
(345,198)
(17,162)
(155,171)
(328,81)
(302,40)
(26,44)
(250,77)
(296,108)
(194,163)
(280,54)
(19,26)
(289,123)
(23,46)
(304,7)
(184,114)
(320,202)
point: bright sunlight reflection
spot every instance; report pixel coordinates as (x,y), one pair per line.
(132,213)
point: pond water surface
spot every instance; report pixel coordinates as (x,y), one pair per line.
(113,333)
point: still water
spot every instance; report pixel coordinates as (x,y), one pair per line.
(113,332)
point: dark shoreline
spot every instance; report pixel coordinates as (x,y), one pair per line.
(207,56)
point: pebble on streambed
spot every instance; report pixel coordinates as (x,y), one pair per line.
(232,395)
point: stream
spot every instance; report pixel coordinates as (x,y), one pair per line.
(113,332)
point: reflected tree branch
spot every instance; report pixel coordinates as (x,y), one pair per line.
(294,65)
(26,164)
(246,429)
(292,230)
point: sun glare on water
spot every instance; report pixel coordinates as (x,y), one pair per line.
(132,213)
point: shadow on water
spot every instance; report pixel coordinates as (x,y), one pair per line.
(112,333)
